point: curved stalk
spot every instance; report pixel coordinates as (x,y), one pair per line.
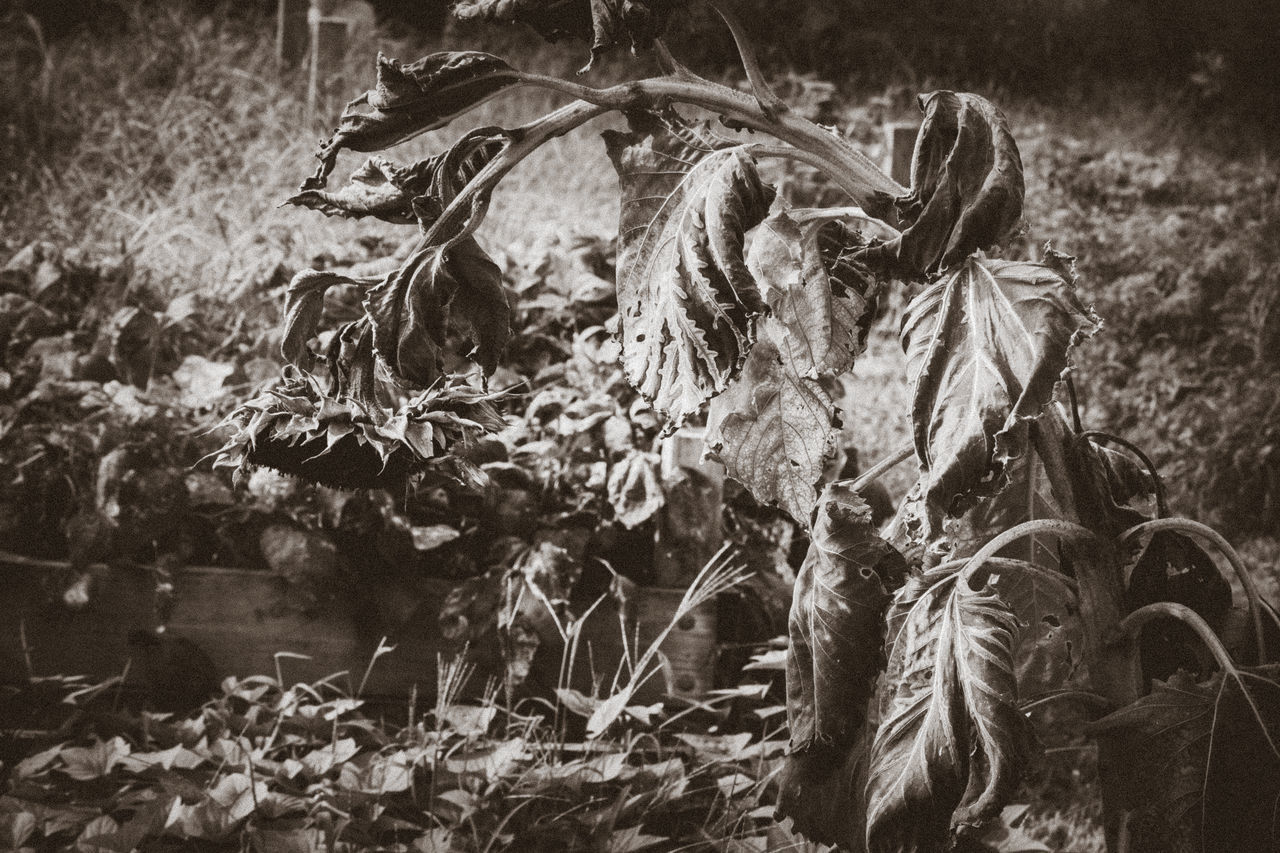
(1195,528)
(1075,405)
(878,470)
(847,167)
(1064,585)
(1063,529)
(769,102)
(1131,627)
(1045,698)
(1162,508)
(463,215)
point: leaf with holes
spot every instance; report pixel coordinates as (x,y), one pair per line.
(985,347)
(686,300)
(966,186)
(1198,762)
(823,299)
(775,431)
(411,99)
(777,426)
(1172,566)
(952,743)
(836,629)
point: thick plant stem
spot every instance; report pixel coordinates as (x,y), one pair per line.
(847,167)
(878,470)
(1195,528)
(465,212)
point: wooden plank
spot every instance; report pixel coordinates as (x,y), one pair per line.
(292,32)
(326,82)
(690,529)
(900,146)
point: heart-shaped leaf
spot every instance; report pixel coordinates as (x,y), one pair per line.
(985,347)
(685,297)
(1173,567)
(952,743)
(966,186)
(411,99)
(836,629)
(1198,763)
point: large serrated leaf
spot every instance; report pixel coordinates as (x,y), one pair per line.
(1198,763)
(775,431)
(985,347)
(836,628)
(776,427)
(951,744)
(685,297)
(411,99)
(966,185)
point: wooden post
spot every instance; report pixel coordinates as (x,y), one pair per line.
(328,50)
(900,146)
(690,532)
(291,32)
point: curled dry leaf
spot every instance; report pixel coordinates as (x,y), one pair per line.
(410,310)
(604,22)
(966,186)
(985,347)
(836,628)
(403,194)
(776,427)
(685,297)
(952,743)
(411,99)
(1198,763)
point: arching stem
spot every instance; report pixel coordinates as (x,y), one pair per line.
(1063,529)
(1085,696)
(1131,627)
(1195,528)
(878,470)
(1162,508)
(769,102)
(847,167)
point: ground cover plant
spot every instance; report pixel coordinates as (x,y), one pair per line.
(1031,561)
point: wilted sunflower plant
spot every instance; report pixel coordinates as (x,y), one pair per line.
(1032,562)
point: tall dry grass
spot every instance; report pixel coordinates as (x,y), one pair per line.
(176,141)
